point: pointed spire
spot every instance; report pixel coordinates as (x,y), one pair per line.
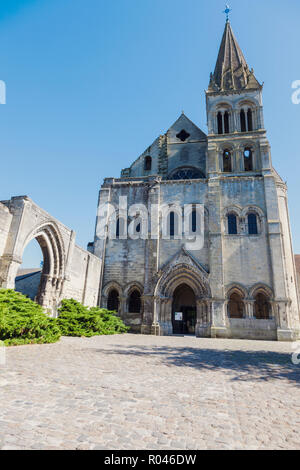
(232,71)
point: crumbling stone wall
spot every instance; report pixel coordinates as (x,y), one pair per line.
(68,271)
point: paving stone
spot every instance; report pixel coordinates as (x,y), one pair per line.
(144,392)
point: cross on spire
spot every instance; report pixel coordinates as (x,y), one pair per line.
(227,11)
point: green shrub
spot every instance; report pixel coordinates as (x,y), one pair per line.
(76,320)
(23,321)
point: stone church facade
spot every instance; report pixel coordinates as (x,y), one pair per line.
(242,283)
(239,283)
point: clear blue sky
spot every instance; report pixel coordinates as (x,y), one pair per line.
(91,83)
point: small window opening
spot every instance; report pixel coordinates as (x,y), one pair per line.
(220,123)
(227,166)
(243,121)
(252,224)
(232,224)
(134,302)
(248,159)
(236,307)
(148,164)
(183,135)
(250,120)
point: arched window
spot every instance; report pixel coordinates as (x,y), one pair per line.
(148,163)
(232,224)
(227,166)
(134,303)
(173,225)
(236,306)
(113,300)
(252,224)
(250,120)
(120,228)
(226,122)
(262,307)
(248,159)
(243,121)
(220,123)
(194,221)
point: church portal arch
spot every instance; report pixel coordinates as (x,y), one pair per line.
(185,287)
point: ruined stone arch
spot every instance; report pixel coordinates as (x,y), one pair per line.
(52,246)
(51,243)
(68,270)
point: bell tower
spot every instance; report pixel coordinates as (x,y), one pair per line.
(247,198)
(235,113)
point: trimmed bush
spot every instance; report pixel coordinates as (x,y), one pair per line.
(76,320)
(23,321)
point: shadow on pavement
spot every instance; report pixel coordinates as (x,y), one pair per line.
(241,365)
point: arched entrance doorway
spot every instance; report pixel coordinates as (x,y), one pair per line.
(184,310)
(182,288)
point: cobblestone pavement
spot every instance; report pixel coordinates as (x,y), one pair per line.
(144,392)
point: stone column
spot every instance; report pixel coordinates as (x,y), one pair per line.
(249,310)
(219,326)
(45,294)
(235,121)
(122,307)
(203,321)
(199,306)
(274,311)
(67,273)
(165,320)
(151,258)
(9,266)
(148,316)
